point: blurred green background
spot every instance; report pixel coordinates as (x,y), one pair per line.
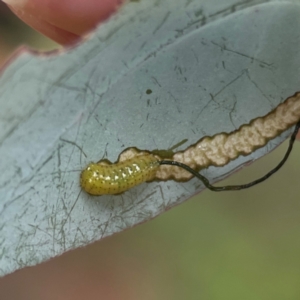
(231,245)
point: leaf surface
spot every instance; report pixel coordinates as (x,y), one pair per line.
(210,68)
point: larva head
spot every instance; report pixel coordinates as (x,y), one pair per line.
(90,179)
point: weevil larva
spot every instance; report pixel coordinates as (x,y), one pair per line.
(103,178)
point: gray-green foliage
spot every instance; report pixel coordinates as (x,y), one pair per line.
(211,66)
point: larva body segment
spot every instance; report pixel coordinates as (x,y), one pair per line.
(102,178)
